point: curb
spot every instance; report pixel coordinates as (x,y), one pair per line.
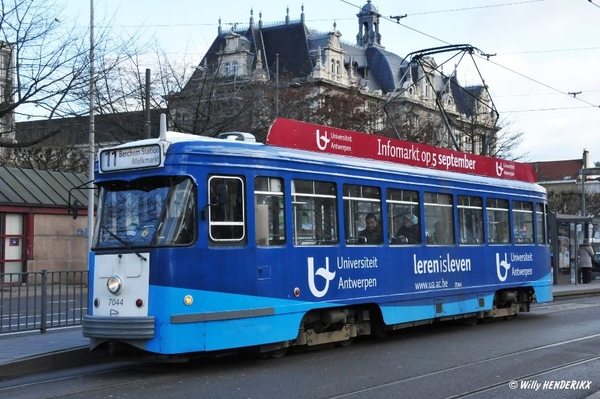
(69,358)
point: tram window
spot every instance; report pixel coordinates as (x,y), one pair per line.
(362,205)
(269,211)
(403,216)
(179,218)
(314,212)
(470,219)
(497,221)
(226,220)
(523,219)
(439,218)
(541,225)
(129,213)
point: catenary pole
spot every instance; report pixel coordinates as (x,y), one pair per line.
(91,151)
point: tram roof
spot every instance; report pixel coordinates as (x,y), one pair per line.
(228,148)
(184,143)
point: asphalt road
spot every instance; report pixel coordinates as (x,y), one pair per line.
(532,356)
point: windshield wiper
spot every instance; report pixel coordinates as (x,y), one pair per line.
(124,243)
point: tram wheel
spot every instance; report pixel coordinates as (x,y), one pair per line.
(277,353)
(345,343)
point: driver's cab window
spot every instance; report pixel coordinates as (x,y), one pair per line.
(178,224)
(226,209)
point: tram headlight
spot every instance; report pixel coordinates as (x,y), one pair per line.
(114,284)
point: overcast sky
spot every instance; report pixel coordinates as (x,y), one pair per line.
(544,50)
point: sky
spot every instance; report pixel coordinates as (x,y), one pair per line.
(543,75)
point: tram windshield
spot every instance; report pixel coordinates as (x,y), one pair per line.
(146,212)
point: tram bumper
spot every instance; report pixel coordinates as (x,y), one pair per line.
(118,328)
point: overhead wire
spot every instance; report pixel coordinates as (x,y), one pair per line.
(538,82)
(487,58)
(594,4)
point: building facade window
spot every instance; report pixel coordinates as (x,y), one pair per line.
(12,250)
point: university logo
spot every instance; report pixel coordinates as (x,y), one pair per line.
(502,267)
(499,169)
(322,140)
(321,272)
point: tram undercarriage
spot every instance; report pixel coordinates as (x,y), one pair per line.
(342,325)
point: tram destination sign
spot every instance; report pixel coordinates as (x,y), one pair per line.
(301,135)
(128,158)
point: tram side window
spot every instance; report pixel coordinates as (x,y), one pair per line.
(541,231)
(404,217)
(439,218)
(470,219)
(523,219)
(269,211)
(227,209)
(497,221)
(362,215)
(314,212)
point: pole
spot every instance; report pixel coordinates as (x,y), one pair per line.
(582,193)
(277,85)
(91,150)
(147,127)
(583,167)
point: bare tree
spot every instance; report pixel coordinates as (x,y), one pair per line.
(568,202)
(506,142)
(49,75)
(349,109)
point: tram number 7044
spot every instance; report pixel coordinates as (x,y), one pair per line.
(115,302)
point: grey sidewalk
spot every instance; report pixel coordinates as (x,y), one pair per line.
(31,351)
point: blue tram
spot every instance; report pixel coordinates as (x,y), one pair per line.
(206,244)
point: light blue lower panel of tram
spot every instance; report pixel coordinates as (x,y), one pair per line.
(445,303)
(543,288)
(216,321)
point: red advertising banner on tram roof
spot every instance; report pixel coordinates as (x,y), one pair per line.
(330,140)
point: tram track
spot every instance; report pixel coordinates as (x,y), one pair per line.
(484,375)
(150,369)
(484,362)
(117,372)
(511,383)
(70,374)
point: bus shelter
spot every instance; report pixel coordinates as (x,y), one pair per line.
(566,233)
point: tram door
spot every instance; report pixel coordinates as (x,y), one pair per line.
(269,229)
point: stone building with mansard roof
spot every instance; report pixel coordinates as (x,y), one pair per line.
(407,93)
